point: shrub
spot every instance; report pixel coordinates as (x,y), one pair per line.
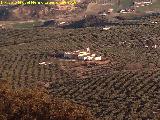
(37,104)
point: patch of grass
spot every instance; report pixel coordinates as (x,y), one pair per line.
(126,2)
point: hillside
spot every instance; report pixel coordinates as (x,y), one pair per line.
(27,12)
(66,12)
(127,87)
(36,103)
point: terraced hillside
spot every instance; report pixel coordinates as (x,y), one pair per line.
(127,87)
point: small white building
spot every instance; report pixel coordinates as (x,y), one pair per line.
(103,14)
(106,28)
(90,58)
(98,58)
(93,55)
(68,55)
(138,3)
(110,10)
(88,50)
(82,57)
(61,23)
(123,11)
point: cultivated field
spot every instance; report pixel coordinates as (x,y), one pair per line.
(120,95)
(128,87)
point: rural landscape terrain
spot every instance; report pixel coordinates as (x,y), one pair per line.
(124,85)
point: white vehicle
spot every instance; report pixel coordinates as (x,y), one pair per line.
(61,23)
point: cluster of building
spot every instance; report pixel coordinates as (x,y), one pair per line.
(136,4)
(130,9)
(140,3)
(81,55)
(127,10)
